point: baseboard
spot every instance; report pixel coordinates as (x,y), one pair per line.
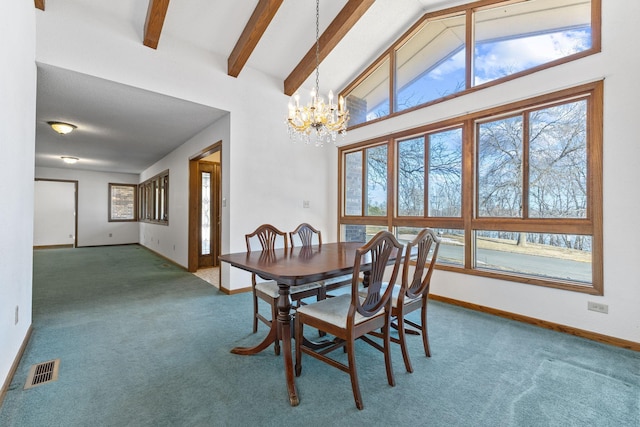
(14,366)
(605,339)
(234,291)
(53,247)
(163,257)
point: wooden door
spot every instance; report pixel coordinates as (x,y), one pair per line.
(208,214)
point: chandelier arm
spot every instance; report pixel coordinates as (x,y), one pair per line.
(322,120)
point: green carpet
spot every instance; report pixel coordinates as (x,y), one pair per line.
(143,343)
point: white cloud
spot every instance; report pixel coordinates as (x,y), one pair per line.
(510,56)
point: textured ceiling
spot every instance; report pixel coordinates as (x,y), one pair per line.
(114,142)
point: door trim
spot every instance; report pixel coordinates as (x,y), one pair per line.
(75,207)
(192,258)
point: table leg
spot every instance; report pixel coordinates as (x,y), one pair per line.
(266,342)
(284,323)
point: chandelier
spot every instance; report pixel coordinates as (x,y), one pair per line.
(319,121)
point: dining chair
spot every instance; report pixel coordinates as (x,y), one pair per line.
(348,317)
(306,235)
(270,237)
(413,292)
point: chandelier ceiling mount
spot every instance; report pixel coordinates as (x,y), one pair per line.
(318,121)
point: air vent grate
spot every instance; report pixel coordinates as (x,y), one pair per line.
(42,373)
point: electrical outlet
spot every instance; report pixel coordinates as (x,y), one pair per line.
(596,306)
(110,234)
(17,312)
(305,203)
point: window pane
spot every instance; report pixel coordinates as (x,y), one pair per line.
(558,162)
(411,177)
(370,99)
(156,199)
(123,202)
(205,219)
(445,173)
(354,233)
(500,168)
(353,184)
(556,256)
(451,250)
(376,181)
(165,215)
(161,199)
(431,64)
(359,233)
(520,36)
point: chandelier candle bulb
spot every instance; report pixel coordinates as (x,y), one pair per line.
(317,120)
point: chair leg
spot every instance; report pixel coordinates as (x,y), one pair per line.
(322,294)
(387,353)
(255,311)
(298,336)
(351,357)
(274,320)
(425,335)
(403,343)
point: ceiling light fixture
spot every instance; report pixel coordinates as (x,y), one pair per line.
(318,120)
(61,127)
(70,160)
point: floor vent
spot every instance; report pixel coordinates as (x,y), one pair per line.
(42,373)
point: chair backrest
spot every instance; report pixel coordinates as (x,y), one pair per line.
(306,235)
(376,255)
(416,285)
(268,235)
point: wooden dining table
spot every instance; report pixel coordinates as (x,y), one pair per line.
(292,267)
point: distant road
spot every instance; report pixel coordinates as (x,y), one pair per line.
(522,263)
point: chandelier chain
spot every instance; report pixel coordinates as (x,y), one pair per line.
(317,46)
(318,121)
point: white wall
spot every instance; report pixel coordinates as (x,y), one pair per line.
(17,144)
(54,213)
(265,177)
(172,241)
(617,64)
(94,228)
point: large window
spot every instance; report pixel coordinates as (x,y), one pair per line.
(437,188)
(366,182)
(511,38)
(122,202)
(154,199)
(484,43)
(514,192)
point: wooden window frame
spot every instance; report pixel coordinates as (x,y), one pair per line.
(468,9)
(153,205)
(591,225)
(135,202)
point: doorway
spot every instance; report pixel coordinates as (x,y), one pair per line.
(209,211)
(55,214)
(204,208)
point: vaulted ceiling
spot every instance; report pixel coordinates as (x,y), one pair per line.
(276,37)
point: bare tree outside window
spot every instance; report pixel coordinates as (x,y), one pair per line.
(122,202)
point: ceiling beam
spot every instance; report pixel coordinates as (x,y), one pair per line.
(339,27)
(155,20)
(253,31)
(39,4)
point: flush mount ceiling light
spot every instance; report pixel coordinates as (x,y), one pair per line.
(70,160)
(61,127)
